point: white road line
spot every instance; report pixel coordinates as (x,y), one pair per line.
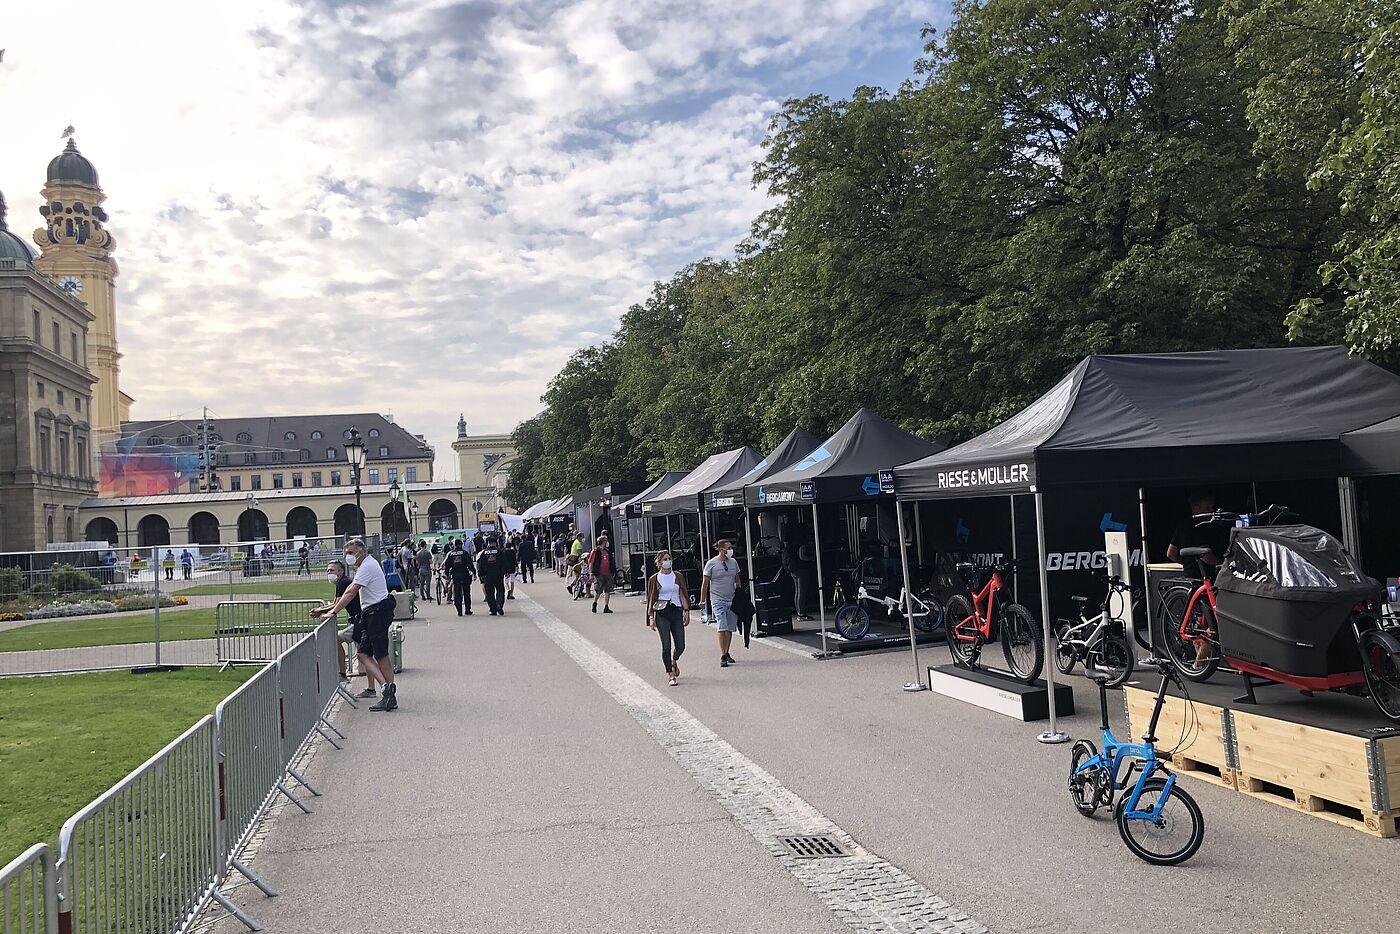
(865,891)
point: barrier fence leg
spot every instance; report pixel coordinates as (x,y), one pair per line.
(252,877)
(303,782)
(349,698)
(327,736)
(237,912)
(282,787)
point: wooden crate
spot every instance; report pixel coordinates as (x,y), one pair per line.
(1208,757)
(1340,777)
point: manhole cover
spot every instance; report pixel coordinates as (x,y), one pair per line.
(812,847)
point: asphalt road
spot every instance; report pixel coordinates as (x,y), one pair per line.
(511,793)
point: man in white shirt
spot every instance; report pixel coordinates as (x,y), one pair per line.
(376,615)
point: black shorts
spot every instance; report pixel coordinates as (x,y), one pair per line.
(604,583)
(375,621)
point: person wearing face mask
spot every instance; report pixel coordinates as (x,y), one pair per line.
(668,612)
(376,615)
(353,631)
(601,570)
(722,578)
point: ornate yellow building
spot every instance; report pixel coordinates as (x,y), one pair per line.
(77,254)
(484,462)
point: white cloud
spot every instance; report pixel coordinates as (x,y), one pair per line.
(415,205)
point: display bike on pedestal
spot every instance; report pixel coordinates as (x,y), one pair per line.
(1158,821)
(1100,642)
(972,623)
(852,619)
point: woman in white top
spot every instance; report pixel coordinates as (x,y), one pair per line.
(668,612)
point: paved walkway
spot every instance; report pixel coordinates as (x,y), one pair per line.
(540,776)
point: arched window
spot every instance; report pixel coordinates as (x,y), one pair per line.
(290,436)
(374,432)
(215,437)
(305,454)
(315,436)
(383,451)
(345,434)
(154,440)
(330,454)
(244,438)
(185,440)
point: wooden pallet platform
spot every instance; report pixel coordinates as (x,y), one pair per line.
(1364,820)
(1206,771)
(1205,756)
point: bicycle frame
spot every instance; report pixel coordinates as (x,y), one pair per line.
(1114,755)
(981,619)
(1207,587)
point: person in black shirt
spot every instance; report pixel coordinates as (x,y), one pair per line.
(490,567)
(1198,533)
(459,564)
(510,553)
(526,553)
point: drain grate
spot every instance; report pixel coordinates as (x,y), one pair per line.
(812,847)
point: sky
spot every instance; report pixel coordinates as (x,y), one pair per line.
(412,206)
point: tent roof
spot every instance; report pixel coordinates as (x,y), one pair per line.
(722,468)
(845,466)
(797,445)
(562,504)
(1171,418)
(537,510)
(658,486)
(1373,450)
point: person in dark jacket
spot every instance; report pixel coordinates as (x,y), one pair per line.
(510,553)
(491,569)
(459,565)
(526,553)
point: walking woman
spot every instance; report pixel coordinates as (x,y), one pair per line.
(668,612)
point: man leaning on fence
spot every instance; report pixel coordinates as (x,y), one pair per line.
(376,615)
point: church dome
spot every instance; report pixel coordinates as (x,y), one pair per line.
(72,166)
(12,247)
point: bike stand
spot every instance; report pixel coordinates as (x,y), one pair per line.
(1249,681)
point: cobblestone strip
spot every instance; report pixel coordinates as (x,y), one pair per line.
(865,891)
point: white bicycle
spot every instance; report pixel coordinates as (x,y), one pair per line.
(852,620)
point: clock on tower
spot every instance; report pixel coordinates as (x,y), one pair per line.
(72,285)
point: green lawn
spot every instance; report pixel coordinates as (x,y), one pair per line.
(114,629)
(318,588)
(66,739)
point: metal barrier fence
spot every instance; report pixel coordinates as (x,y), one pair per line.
(260,631)
(29,893)
(144,856)
(149,854)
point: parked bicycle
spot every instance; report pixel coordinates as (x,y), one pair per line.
(1100,642)
(852,620)
(1158,820)
(983,616)
(1186,610)
(443,585)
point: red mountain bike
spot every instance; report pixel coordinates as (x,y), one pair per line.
(975,621)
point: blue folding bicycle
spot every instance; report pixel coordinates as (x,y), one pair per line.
(1158,821)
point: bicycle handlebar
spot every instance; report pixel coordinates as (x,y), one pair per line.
(1266,516)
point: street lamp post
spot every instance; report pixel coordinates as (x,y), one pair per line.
(393,501)
(355,454)
(412,517)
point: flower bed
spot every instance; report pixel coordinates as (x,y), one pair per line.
(58,609)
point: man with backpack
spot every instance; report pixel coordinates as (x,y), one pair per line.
(526,553)
(459,565)
(600,565)
(510,556)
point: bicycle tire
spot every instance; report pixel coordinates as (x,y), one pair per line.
(1021,642)
(852,621)
(964,653)
(930,621)
(1080,783)
(1065,656)
(1182,651)
(1114,655)
(1382,669)
(1190,811)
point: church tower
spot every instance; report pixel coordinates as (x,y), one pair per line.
(77,254)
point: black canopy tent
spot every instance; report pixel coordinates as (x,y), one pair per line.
(682,504)
(798,444)
(1373,451)
(853,465)
(637,532)
(1156,419)
(1371,462)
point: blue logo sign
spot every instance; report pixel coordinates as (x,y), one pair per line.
(870,486)
(762,496)
(887,481)
(809,489)
(1107,524)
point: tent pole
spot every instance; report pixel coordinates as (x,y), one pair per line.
(1351,525)
(1053,734)
(913,687)
(1146,584)
(821,584)
(919,534)
(748,546)
(1015,553)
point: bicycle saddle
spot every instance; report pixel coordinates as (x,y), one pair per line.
(965,566)
(1080,599)
(1193,552)
(1098,677)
